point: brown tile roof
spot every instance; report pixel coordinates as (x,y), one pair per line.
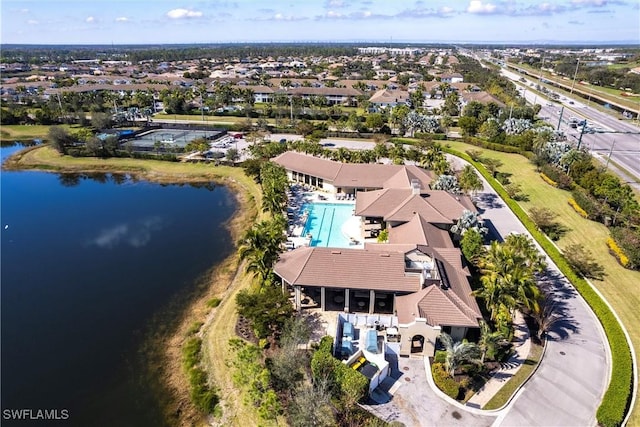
(481,97)
(310,165)
(386,96)
(421,232)
(439,306)
(378,203)
(346,268)
(416,203)
(353,175)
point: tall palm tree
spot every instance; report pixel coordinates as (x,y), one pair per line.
(260,247)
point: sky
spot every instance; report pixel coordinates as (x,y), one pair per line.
(386,21)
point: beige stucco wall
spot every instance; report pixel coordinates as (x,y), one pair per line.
(418,327)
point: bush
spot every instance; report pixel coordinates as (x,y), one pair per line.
(616,399)
(440,357)
(578,209)
(548,180)
(214,302)
(347,384)
(444,382)
(615,250)
(628,241)
(561,179)
(594,209)
(493,146)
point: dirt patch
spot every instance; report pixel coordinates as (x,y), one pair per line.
(244,330)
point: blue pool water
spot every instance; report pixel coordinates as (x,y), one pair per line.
(325,222)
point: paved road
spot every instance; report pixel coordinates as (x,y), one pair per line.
(619,138)
(572,378)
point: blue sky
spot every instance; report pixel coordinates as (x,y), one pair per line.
(193,21)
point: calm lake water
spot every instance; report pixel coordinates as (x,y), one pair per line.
(86,265)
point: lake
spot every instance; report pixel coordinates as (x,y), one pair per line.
(89,266)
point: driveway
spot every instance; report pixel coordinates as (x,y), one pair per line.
(568,386)
(415,404)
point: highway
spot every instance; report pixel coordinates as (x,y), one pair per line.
(611,137)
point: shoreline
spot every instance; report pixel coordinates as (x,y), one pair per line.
(221,280)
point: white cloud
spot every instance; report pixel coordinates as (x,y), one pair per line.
(333,14)
(135,235)
(183,13)
(445,10)
(597,3)
(32,22)
(335,3)
(476,6)
(90,19)
(122,19)
(24,10)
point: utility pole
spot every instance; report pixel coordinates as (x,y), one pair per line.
(609,156)
(582,133)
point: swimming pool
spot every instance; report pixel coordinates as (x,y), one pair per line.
(325,222)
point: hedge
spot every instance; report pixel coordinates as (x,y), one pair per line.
(202,396)
(617,398)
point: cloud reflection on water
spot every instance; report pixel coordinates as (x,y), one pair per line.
(136,234)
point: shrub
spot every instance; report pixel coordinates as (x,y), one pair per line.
(548,180)
(444,382)
(594,209)
(202,396)
(578,209)
(583,263)
(214,302)
(628,240)
(615,250)
(440,357)
(562,180)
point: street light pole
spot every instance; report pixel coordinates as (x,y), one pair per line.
(574,77)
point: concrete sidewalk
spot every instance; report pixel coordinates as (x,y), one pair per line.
(522,345)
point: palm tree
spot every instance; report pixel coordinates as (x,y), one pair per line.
(488,339)
(458,353)
(469,180)
(545,316)
(260,247)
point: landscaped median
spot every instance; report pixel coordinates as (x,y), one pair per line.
(617,398)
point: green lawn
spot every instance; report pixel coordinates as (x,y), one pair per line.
(620,286)
(25,132)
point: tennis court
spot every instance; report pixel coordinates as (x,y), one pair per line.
(171,138)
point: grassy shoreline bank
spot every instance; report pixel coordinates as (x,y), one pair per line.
(220,281)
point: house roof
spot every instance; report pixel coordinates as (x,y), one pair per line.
(346,268)
(421,232)
(396,204)
(481,97)
(353,175)
(386,96)
(438,306)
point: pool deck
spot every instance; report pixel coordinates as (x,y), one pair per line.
(298,196)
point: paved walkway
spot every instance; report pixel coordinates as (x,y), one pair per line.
(521,346)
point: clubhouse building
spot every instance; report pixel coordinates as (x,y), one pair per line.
(418,275)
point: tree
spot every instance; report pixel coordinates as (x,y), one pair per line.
(260,247)
(267,310)
(469,180)
(451,104)
(583,263)
(471,245)
(545,316)
(232,154)
(545,219)
(101,120)
(374,121)
(458,353)
(488,341)
(469,125)
(59,138)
